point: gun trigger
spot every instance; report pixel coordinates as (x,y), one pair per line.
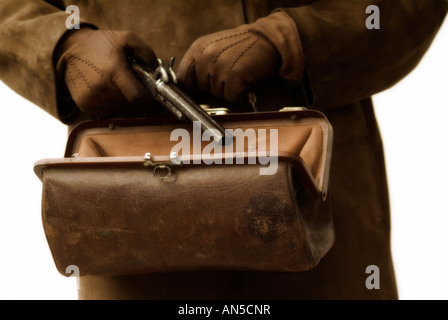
(161,72)
(171,73)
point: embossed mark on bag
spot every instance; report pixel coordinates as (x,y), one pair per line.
(267,216)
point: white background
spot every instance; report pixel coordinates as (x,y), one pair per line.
(413,117)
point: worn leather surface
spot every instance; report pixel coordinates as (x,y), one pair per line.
(129,221)
(131,217)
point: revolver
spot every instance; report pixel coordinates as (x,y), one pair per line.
(162,85)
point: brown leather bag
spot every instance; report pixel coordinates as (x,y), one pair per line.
(120,203)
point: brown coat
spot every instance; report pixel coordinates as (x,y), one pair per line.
(345,64)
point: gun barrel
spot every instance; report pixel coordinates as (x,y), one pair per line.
(180,104)
(191,110)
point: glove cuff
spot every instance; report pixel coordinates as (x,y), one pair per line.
(280,29)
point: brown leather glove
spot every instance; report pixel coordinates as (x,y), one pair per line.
(227,63)
(94,65)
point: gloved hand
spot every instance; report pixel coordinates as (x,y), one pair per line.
(94,65)
(227,63)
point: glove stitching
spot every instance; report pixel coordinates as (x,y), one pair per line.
(243,53)
(88,63)
(73,80)
(222,38)
(228,47)
(81,74)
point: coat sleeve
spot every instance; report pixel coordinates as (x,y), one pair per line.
(346,62)
(29,33)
